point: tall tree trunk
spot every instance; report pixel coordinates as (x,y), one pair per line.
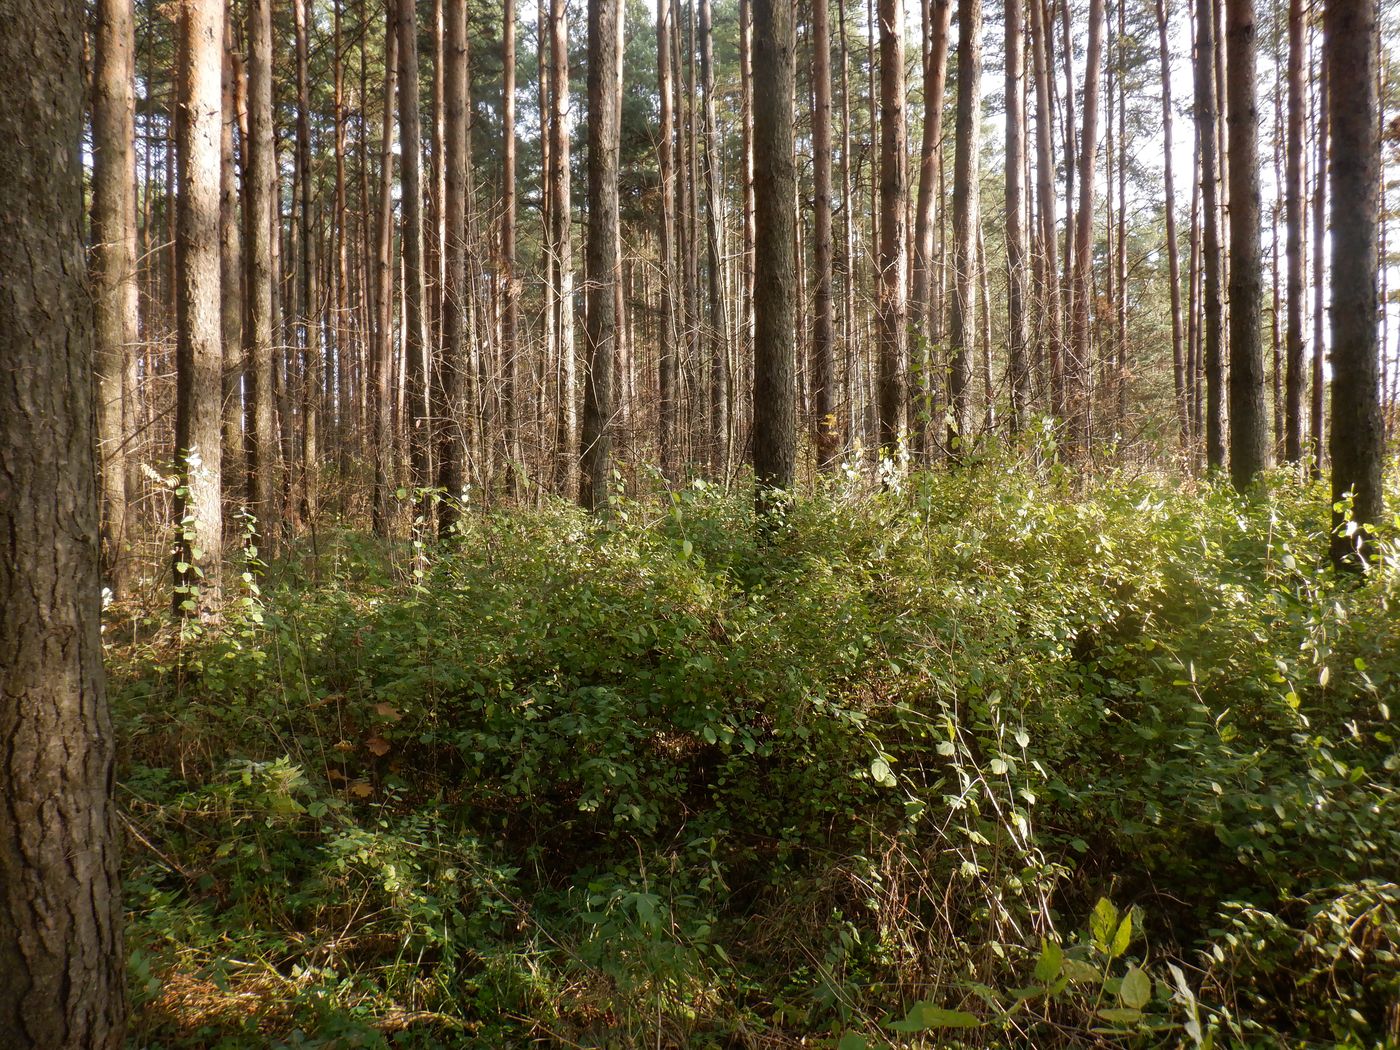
(1295,380)
(775,280)
(563,292)
(310,321)
(1052,325)
(1016,248)
(669,349)
(259,235)
(510,283)
(1358,439)
(1249,430)
(966,196)
(925,307)
(60,890)
(115,293)
(1173,255)
(230,276)
(600,333)
(383,351)
(455,366)
(720,380)
(1081,342)
(1316,421)
(823,341)
(894,256)
(199,352)
(416,353)
(1211,261)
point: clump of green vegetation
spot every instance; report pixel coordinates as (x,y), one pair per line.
(985,761)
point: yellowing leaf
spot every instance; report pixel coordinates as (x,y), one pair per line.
(378,745)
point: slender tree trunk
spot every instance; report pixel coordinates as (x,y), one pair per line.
(199,352)
(383,352)
(1016,247)
(966,198)
(1358,435)
(775,177)
(669,348)
(416,369)
(1249,431)
(1173,255)
(1081,342)
(60,891)
(894,257)
(455,365)
(927,327)
(1315,408)
(1212,334)
(1045,192)
(600,333)
(230,277)
(115,293)
(310,321)
(823,341)
(510,283)
(563,293)
(1295,380)
(720,381)
(259,235)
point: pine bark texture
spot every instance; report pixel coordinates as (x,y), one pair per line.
(966,198)
(604,23)
(891,318)
(198,319)
(1249,430)
(775,277)
(60,896)
(1357,439)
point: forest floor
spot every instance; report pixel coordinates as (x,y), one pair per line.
(992,760)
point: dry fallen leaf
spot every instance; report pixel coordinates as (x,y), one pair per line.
(378,745)
(361,789)
(384,710)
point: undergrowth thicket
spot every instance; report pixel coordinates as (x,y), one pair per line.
(984,761)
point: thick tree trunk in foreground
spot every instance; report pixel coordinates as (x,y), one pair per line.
(199,350)
(775,278)
(1249,430)
(114,266)
(1357,441)
(60,896)
(604,24)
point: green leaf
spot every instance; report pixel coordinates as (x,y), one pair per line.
(853,1041)
(1051,961)
(880,772)
(923,1016)
(709,734)
(1102,923)
(1136,988)
(1123,937)
(1121,1016)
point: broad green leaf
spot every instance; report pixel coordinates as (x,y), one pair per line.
(1136,988)
(923,1016)
(1123,937)
(1102,923)
(881,774)
(853,1041)
(1051,961)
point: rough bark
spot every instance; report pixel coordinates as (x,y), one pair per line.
(199,350)
(1016,248)
(1357,438)
(600,332)
(115,294)
(60,895)
(510,283)
(823,342)
(966,197)
(720,380)
(416,370)
(775,280)
(1295,379)
(562,245)
(1212,321)
(455,365)
(668,350)
(1249,421)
